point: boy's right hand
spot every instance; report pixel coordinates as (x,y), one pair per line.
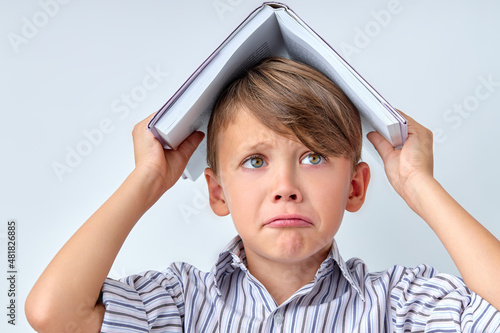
(68,290)
(162,165)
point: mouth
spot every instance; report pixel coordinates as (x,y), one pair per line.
(282,221)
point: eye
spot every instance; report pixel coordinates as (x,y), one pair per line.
(313,159)
(253,162)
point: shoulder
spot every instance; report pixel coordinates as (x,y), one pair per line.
(403,282)
(173,278)
(425,285)
(423,297)
(151,299)
(399,275)
(188,276)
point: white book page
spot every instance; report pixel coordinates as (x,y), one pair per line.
(257,39)
(306,47)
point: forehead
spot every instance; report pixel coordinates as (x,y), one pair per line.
(244,132)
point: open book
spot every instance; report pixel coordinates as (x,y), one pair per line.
(271,30)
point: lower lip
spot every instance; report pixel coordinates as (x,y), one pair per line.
(288,223)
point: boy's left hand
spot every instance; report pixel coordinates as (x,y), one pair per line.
(474,249)
(409,166)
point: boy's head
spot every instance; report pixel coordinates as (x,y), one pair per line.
(293,100)
(283,146)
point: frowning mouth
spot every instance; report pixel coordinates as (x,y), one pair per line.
(282,221)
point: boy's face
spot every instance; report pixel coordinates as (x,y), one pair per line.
(286,202)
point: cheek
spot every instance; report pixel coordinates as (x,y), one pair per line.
(244,199)
(331,195)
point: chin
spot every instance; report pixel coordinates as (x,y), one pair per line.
(292,247)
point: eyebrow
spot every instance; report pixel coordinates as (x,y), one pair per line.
(256,146)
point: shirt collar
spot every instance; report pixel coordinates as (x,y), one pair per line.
(233,257)
(353,280)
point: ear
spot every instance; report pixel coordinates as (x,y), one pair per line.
(359,185)
(216,194)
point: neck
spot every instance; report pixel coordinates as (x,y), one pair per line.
(283,279)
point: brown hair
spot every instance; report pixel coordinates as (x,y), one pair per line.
(291,99)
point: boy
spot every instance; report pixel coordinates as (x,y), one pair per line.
(283,149)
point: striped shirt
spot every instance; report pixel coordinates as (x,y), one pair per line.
(343,297)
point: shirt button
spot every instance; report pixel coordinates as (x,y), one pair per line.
(278,318)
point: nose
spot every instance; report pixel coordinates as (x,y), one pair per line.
(292,197)
(286,187)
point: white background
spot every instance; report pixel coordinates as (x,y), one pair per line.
(72,72)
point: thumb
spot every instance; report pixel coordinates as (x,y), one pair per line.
(188,146)
(383,147)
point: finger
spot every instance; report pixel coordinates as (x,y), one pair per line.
(148,118)
(143,124)
(188,146)
(406,116)
(411,122)
(383,147)
(413,125)
(402,113)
